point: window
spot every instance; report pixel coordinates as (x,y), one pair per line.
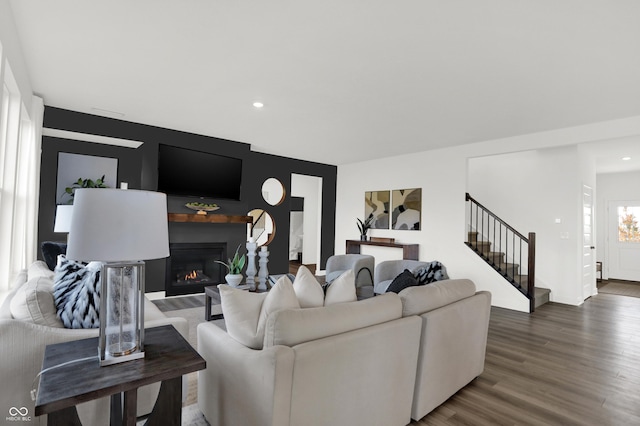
(628,231)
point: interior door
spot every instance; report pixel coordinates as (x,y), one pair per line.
(624,240)
(588,279)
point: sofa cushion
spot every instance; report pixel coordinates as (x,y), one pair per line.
(77,293)
(310,293)
(403,280)
(245,312)
(39,269)
(33,302)
(50,251)
(308,290)
(420,299)
(291,327)
(342,289)
(433,271)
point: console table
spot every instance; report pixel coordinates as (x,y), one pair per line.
(167,357)
(409,251)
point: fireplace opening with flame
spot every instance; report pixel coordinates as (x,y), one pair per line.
(195,276)
(192,266)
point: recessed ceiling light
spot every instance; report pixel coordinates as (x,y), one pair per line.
(626,158)
(258,104)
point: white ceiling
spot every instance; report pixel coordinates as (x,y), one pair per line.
(341,80)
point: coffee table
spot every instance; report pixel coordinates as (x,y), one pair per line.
(211,292)
(168,356)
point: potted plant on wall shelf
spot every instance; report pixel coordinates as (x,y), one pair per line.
(234,267)
(364,226)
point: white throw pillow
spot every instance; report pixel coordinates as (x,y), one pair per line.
(245,313)
(33,302)
(308,289)
(342,289)
(311,295)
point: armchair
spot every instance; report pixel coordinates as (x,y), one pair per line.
(361,264)
(386,271)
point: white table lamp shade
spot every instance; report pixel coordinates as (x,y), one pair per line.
(63,218)
(114,225)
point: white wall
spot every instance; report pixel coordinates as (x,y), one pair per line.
(612,187)
(442,175)
(12,51)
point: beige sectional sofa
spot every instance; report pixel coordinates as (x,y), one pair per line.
(28,323)
(453,342)
(379,361)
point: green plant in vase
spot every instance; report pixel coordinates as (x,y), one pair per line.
(364,226)
(234,267)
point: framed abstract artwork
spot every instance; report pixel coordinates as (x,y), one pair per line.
(406,209)
(377,204)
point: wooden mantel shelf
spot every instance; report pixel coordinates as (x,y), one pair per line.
(208,218)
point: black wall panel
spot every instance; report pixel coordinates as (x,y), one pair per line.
(138,167)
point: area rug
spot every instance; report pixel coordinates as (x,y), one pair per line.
(630,289)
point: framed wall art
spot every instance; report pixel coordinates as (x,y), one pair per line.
(377,204)
(406,209)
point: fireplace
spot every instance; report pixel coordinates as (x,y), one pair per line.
(191,267)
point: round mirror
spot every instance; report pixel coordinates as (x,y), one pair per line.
(262,229)
(273,191)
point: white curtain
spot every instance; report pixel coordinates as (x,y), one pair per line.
(20,148)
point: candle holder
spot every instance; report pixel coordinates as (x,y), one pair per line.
(251,264)
(263,274)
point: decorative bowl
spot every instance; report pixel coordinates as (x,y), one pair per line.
(202,208)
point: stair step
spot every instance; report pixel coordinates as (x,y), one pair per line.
(521,280)
(473,236)
(495,256)
(510,269)
(481,246)
(541,295)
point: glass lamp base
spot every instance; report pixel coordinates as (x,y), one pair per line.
(110,359)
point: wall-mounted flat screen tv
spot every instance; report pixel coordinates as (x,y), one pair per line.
(187,172)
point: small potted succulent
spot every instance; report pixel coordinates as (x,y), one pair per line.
(234,267)
(364,226)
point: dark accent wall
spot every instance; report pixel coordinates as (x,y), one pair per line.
(138,167)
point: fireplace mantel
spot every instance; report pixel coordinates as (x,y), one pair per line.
(208,218)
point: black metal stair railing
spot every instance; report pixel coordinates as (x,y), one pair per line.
(502,247)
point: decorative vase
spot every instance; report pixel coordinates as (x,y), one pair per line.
(363,237)
(233,280)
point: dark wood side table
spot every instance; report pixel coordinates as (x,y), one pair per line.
(167,357)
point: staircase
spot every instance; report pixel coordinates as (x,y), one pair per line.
(504,249)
